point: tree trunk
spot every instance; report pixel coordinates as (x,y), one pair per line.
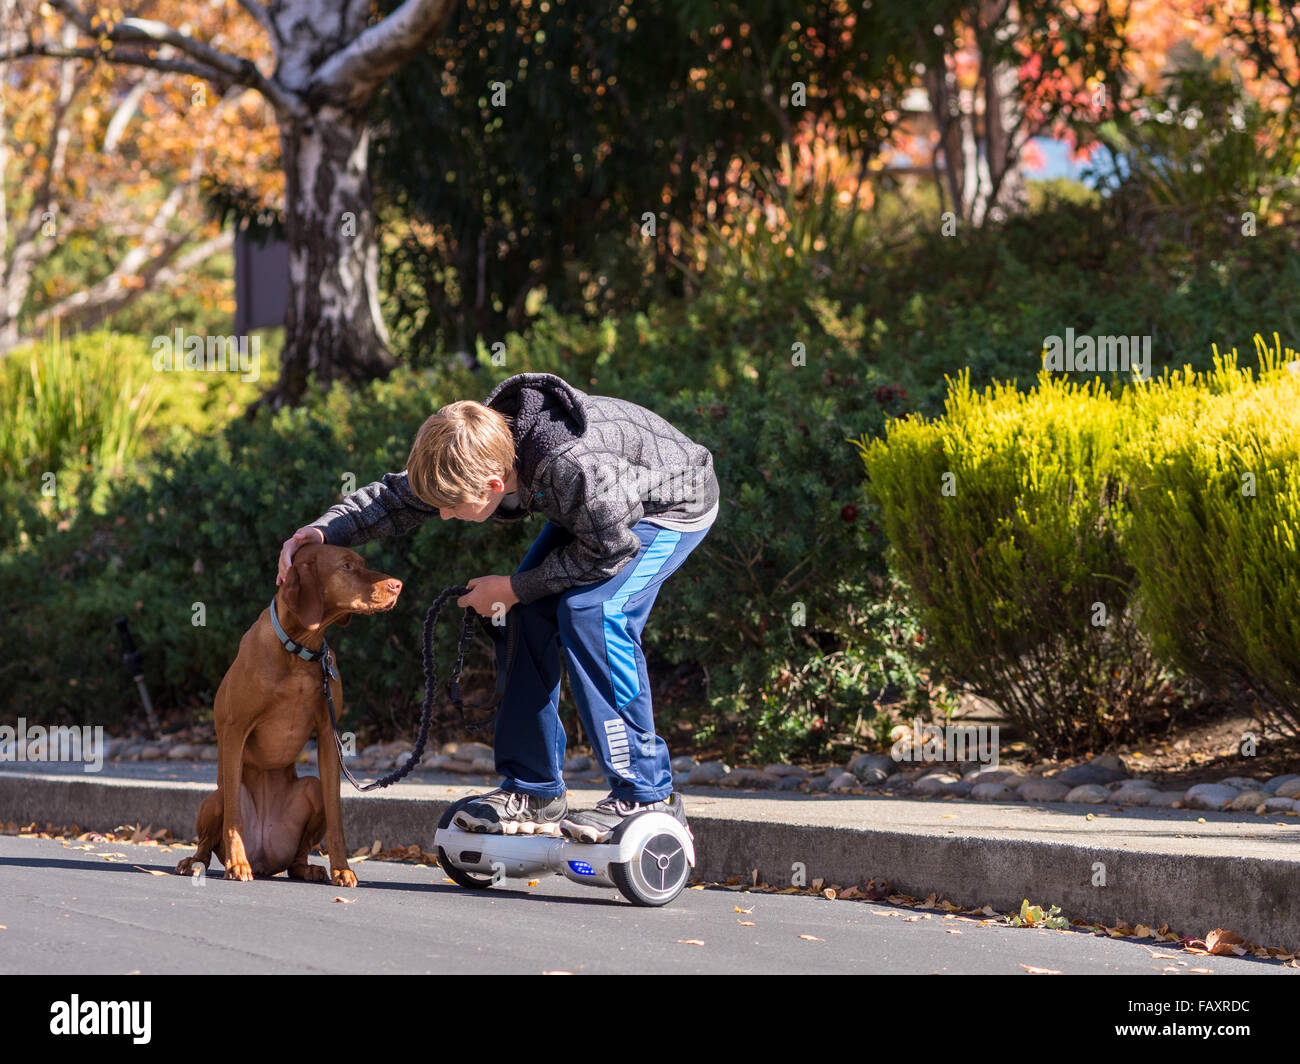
(333,329)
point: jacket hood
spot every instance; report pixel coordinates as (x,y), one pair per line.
(547,416)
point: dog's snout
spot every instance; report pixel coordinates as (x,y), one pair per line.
(395,586)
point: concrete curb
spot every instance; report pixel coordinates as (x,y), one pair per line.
(1224,873)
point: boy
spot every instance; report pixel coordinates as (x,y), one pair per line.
(627,498)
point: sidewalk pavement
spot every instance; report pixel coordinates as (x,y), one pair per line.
(1192,870)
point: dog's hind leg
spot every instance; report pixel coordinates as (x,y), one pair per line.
(307,790)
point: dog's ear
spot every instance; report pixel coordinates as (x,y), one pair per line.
(344,621)
(302,593)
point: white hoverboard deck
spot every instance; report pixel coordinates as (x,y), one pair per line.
(655,850)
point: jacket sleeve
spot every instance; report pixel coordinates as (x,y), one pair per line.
(388,507)
(600,520)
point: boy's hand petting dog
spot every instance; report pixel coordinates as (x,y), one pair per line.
(290,548)
(485,592)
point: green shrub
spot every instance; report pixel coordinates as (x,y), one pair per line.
(793,528)
(1215,522)
(790,607)
(207,528)
(65,401)
(92,409)
(1190,161)
(1003,518)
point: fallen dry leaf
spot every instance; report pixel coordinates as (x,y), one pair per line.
(533,882)
(829,893)
(812,938)
(1039,971)
(738,909)
(690,941)
(1222,942)
(953,931)
(152,871)
(345,901)
(557,973)
(745,923)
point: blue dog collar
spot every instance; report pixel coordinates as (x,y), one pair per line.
(296,648)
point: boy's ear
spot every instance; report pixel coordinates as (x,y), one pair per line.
(302,593)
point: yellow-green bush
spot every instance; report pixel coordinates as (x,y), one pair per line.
(1215,462)
(1070,544)
(1004,518)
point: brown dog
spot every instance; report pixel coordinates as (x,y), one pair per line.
(263,817)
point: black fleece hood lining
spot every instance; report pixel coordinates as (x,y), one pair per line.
(537,435)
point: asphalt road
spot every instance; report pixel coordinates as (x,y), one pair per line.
(93,911)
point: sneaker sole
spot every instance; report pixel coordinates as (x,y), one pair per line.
(582,833)
(530,827)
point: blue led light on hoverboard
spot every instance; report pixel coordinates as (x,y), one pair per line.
(582,868)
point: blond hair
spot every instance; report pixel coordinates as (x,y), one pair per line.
(456,451)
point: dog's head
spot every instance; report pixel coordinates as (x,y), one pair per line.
(326,585)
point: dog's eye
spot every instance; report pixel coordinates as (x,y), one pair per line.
(346,565)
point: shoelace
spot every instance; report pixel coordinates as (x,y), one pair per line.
(610,804)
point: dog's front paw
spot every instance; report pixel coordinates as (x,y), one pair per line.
(240,870)
(343,877)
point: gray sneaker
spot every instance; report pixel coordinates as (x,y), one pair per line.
(597,825)
(503,812)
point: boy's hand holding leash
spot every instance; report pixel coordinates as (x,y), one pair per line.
(485,592)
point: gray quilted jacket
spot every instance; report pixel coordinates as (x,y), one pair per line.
(592,464)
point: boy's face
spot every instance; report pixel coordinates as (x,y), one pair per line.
(477,509)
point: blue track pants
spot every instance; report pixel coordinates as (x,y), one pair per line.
(596,630)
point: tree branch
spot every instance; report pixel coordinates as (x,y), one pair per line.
(90,306)
(140,59)
(351,75)
(126,110)
(261,16)
(205,61)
